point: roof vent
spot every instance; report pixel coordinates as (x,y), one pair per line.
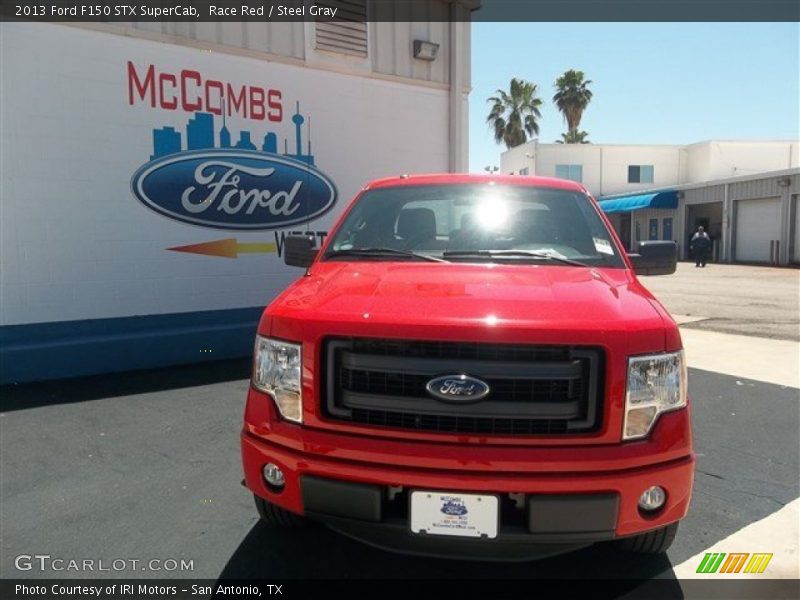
(348,33)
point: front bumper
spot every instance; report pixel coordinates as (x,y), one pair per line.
(551,512)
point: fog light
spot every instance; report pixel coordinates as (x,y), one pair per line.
(274,476)
(652,498)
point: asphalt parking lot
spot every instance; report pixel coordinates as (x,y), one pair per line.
(739,299)
(145,466)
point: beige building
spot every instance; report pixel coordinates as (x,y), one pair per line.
(743,192)
(612,169)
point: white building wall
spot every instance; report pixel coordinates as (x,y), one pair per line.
(390,43)
(605,166)
(698,163)
(279,39)
(393,43)
(587,155)
(518,158)
(74,242)
(719,160)
(666,161)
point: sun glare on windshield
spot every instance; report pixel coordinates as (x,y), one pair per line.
(491,213)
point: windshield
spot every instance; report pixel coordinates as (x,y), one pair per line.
(475,222)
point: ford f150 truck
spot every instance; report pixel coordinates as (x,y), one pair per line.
(469,367)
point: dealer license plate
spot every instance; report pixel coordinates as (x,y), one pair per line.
(453,513)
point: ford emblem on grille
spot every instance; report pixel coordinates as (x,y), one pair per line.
(461,389)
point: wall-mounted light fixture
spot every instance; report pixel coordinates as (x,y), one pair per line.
(785,181)
(425,50)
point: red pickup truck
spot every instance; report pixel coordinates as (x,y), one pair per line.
(470,368)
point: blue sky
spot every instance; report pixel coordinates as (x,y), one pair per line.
(659,83)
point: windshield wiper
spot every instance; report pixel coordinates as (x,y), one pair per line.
(512,253)
(383,252)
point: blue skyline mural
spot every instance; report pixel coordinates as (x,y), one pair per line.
(201,135)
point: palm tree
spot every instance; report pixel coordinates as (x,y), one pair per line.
(572,97)
(514,114)
(574,137)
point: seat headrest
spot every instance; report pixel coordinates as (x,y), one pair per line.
(417,223)
(535,225)
(529,216)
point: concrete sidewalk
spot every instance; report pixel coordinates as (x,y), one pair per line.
(777,535)
(761,359)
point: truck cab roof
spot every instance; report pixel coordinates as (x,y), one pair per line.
(467,178)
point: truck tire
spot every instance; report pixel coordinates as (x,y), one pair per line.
(652,542)
(276,516)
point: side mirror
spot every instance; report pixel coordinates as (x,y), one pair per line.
(299,251)
(655,258)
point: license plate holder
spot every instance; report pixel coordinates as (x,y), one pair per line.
(454,514)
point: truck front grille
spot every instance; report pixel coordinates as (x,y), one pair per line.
(534,389)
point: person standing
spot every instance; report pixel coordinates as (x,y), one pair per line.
(700,245)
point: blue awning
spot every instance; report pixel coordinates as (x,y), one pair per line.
(666,199)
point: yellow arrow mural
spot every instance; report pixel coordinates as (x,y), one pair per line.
(228,248)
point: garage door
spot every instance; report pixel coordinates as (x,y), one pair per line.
(757,222)
(796,254)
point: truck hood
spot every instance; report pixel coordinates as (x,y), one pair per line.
(468,296)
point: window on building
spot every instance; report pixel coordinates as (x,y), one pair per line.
(523,171)
(348,35)
(666,228)
(640,173)
(573,172)
(652,230)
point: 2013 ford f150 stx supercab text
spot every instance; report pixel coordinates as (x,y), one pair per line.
(470,368)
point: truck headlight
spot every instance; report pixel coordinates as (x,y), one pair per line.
(656,384)
(276,371)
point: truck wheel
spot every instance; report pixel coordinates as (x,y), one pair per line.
(276,516)
(652,542)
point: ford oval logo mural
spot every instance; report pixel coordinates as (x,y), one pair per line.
(234,189)
(460,389)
